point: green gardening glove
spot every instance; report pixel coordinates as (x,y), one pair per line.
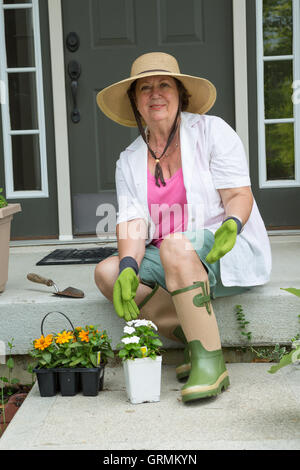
(225,238)
(124,293)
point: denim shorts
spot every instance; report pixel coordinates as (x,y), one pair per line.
(151,268)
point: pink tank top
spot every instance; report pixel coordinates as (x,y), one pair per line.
(167,206)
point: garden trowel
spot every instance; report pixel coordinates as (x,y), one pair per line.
(68,292)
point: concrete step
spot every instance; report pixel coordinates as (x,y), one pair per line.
(259,411)
(272,312)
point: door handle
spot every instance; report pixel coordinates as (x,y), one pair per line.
(74,71)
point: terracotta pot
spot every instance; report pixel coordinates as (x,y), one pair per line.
(10,409)
(6,215)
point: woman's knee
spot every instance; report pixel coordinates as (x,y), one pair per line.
(106,273)
(175,248)
(180,259)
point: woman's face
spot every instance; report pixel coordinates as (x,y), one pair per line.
(157,99)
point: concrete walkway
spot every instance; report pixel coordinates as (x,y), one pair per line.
(258,411)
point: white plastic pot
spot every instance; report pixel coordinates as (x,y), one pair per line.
(143,379)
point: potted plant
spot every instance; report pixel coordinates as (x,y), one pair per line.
(292,357)
(6,215)
(83,355)
(12,393)
(141,356)
(71,361)
(45,353)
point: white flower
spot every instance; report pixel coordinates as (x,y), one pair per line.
(145,323)
(130,323)
(131,339)
(141,323)
(129,329)
(152,324)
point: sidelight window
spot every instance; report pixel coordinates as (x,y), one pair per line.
(22,101)
(278,50)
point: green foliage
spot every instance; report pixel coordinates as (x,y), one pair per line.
(278,27)
(294,355)
(242,322)
(286,360)
(139,341)
(263,353)
(8,380)
(3,201)
(272,355)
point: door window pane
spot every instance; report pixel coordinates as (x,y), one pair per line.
(26,162)
(278,78)
(280,151)
(23,101)
(19,38)
(278,27)
(15,1)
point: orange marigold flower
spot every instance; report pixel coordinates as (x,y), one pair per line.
(64,337)
(43,342)
(84,336)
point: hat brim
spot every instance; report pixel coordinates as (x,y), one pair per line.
(115,104)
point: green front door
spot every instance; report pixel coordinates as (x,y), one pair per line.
(110,34)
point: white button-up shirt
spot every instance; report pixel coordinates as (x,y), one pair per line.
(213,158)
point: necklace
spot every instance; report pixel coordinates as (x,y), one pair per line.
(157,152)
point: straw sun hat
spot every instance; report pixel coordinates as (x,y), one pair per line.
(114,101)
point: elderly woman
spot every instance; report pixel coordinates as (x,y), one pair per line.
(188,227)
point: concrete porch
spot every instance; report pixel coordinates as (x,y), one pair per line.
(272,312)
(258,411)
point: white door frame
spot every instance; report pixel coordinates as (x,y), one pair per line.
(60,108)
(60,121)
(240,71)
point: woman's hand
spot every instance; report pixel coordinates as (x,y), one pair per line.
(225,238)
(124,293)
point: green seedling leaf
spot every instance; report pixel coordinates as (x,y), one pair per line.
(285,361)
(93,358)
(74,363)
(292,290)
(157,342)
(109,353)
(10,363)
(47,357)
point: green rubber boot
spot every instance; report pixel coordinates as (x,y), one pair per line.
(208,375)
(183,370)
